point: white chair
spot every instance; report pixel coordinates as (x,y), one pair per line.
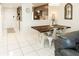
(50,36)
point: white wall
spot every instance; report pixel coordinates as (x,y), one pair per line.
(8,20)
(53,10)
(27,20)
(0,22)
(26,17)
(74,23)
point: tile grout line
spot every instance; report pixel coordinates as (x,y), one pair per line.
(31,46)
(7,43)
(39,49)
(19,43)
(35,49)
(16,37)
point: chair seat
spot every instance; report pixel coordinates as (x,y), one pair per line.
(50,38)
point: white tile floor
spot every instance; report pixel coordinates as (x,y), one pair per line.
(21,44)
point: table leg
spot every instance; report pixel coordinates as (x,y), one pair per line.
(42,39)
(54,33)
(64,30)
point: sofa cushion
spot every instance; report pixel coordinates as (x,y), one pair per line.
(69,52)
(73,35)
(77,47)
(77,40)
(66,42)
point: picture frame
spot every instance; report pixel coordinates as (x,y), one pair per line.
(19,13)
(68,10)
(40,11)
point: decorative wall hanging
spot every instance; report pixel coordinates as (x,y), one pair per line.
(68,10)
(40,12)
(27,10)
(19,15)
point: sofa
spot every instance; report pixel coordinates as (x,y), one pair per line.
(67,45)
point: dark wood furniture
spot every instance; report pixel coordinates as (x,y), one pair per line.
(46,28)
(19,15)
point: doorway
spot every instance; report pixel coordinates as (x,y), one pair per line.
(10,17)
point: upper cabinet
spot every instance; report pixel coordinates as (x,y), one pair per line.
(40,11)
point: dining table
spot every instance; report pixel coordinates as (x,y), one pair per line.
(47,28)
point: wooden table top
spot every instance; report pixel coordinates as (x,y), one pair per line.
(46,28)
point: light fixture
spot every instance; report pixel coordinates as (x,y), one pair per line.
(38,11)
(54,17)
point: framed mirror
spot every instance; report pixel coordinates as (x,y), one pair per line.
(40,11)
(68,9)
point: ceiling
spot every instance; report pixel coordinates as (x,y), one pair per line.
(37,4)
(10,5)
(15,5)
